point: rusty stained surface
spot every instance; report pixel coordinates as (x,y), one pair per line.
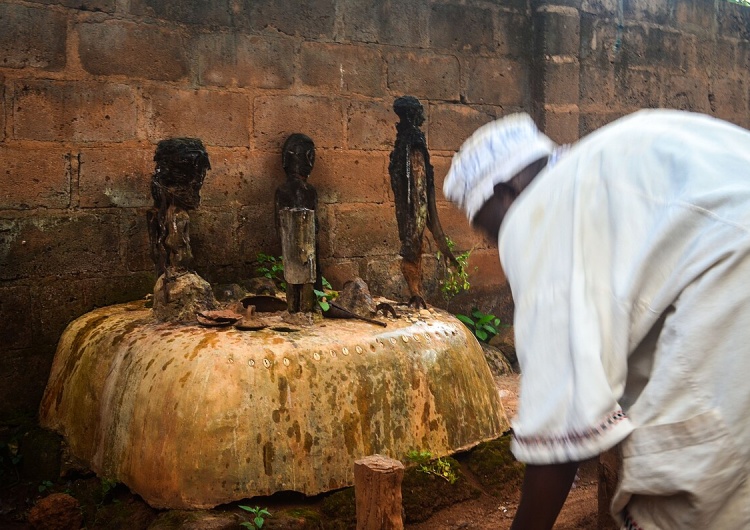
(192,417)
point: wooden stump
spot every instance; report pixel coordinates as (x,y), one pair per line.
(377,490)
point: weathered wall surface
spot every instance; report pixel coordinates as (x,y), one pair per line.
(88,87)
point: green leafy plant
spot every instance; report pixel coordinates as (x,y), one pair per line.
(45,485)
(432,466)
(107,485)
(455,280)
(259,517)
(271,267)
(484,326)
(325,295)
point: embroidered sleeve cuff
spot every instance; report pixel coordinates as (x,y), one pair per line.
(573,446)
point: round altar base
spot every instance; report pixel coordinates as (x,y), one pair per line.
(194,417)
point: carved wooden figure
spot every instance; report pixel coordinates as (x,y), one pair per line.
(298,159)
(413,186)
(181,166)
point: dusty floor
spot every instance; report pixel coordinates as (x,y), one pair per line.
(487,512)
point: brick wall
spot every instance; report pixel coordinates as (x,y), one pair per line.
(87,88)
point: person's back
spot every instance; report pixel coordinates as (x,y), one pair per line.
(628,261)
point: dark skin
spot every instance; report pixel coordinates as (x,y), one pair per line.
(545,487)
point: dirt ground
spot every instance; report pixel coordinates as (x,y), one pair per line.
(488,512)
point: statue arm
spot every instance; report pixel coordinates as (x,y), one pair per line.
(433,222)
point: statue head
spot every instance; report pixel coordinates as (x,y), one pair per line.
(181,165)
(409,109)
(298,156)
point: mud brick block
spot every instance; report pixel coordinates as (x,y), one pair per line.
(23,376)
(403,24)
(561,126)
(371,125)
(214,13)
(589,122)
(637,88)
(311,19)
(463,28)
(514,35)
(669,50)
(137,249)
(256,232)
(598,39)
(243,177)
(340,271)
(597,85)
(729,99)
(496,81)
(342,68)
(725,54)
(213,238)
(655,48)
(217,118)
(351,177)
(742,61)
(450,125)
(276,117)
(384,278)
(326,232)
(733,20)
(133,50)
(457,228)
(101,292)
(34,178)
(115,177)
(558,32)
(485,269)
(234,59)
(561,82)
(364,230)
(3,106)
(695,15)
(441,164)
(78,112)
(687,93)
(16,312)
(21,42)
(603,8)
(57,304)
(424,75)
(649,11)
(105,6)
(59,245)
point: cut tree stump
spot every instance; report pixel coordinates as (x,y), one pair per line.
(377,491)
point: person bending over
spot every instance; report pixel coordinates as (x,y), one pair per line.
(628,257)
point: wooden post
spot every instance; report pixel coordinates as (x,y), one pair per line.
(377,492)
(298,248)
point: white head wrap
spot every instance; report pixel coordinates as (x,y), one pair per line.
(493,154)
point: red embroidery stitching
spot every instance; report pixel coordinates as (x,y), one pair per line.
(607,423)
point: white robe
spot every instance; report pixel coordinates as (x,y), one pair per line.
(629,263)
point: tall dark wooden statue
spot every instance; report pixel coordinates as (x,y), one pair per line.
(298,159)
(181,166)
(413,186)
